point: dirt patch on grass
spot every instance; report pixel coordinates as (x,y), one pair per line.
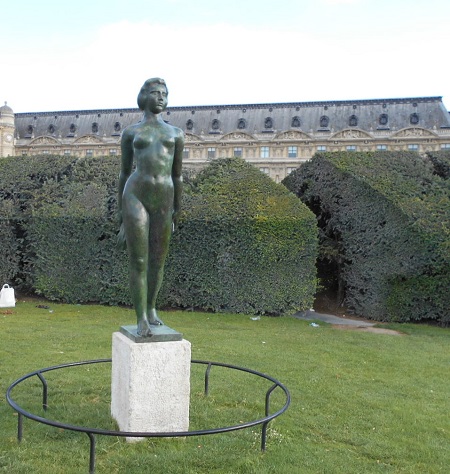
(326,302)
(371,329)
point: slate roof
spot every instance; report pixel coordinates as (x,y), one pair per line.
(309,117)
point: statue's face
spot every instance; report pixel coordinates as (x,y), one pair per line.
(156,98)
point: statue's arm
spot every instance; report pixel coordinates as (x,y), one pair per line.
(126,146)
(177,175)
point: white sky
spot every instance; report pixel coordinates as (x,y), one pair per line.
(95,54)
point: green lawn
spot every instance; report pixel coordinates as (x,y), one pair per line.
(361,402)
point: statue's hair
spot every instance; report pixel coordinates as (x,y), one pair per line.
(148,83)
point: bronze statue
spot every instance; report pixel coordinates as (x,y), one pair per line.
(149,199)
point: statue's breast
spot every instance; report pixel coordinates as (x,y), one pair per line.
(156,137)
(142,141)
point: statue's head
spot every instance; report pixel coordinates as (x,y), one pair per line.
(148,85)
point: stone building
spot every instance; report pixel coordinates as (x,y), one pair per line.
(276,138)
(7,129)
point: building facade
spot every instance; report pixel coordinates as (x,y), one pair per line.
(7,131)
(276,138)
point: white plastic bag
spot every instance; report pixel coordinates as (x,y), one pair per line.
(7,298)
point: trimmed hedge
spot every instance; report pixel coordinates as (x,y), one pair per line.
(10,251)
(441,162)
(386,217)
(74,257)
(35,191)
(244,243)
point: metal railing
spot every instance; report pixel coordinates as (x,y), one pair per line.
(92,432)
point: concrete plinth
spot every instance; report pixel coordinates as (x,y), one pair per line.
(150,385)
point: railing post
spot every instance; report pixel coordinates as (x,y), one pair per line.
(264,436)
(19,427)
(267,409)
(208,369)
(91,453)
(44,391)
(268,394)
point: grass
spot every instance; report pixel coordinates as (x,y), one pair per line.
(361,402)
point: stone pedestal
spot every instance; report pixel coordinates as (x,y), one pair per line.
(150,385)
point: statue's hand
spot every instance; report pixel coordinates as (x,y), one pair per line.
(121,240)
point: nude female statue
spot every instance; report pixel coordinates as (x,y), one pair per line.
(149,199)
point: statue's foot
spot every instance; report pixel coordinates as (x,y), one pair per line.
(153,318)
(144,329)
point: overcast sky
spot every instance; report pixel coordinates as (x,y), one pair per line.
(95,54)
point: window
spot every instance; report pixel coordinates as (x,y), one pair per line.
(292,152)
(66,152)
(321,148)
(264,170)
(95,127)
(268,122)
(381,147)
(215,124)
(185,153)
(211,153)
(351,148)
(89,152)
(445,146)
(189,125)
(324,121)
(237,153)
(264,152)
(414,119)
(242,124)
(413,147)
(290,170)
(383,120)
(353,121)
(113,151)
(295,122)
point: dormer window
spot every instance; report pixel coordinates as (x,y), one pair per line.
(383,120)
(295,122)
(353,121)
(414,119)
(324,121)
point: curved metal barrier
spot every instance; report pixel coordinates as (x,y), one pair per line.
(91,432)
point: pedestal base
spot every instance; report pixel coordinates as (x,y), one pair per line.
(150,385)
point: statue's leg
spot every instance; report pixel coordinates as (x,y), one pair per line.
(136,224)
(159,237)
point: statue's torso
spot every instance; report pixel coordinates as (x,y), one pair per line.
(153,152)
